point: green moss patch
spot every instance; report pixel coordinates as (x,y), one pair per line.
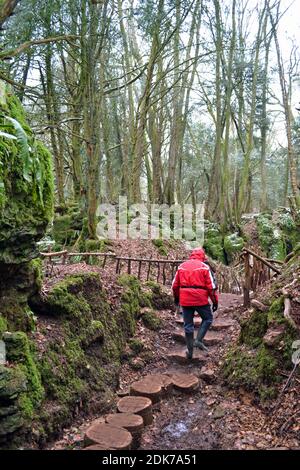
(270,237)
(253,365)
(213,242)
(161,246)
(159,299)
(3,325)
(136,345)
(233,244)
(26,185)
(19,351)
(255,371)
(151,320)
(254,329)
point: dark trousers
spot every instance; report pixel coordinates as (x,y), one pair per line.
(188,317)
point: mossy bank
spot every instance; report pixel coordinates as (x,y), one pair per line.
(70,364)
(265,343)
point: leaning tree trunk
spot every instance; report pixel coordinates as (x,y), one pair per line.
(292,158)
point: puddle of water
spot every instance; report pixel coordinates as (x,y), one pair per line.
(176,430)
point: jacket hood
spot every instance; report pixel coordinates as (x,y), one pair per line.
(198,254)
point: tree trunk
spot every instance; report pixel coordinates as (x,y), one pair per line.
(292,159)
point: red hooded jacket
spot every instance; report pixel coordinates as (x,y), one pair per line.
(194,283)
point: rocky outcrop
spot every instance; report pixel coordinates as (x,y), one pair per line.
(26,184)
(12,386)
(26,202)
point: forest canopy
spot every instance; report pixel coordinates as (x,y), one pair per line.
(185,101)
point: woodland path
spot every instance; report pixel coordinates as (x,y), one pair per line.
(212,417)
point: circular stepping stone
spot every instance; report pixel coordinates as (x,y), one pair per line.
(165,382)
(147,387)
(137,405)
(185,382)
(129,421)
(133,423)
(179,356)
(109,436)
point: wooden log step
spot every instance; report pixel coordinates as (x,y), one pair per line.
(155,387)
(165,382)
(137,405)
(112,437)
(147,387)
(211,338)
(133,423)
(179,356)
(185,382)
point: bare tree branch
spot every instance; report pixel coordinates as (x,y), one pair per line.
(14,52)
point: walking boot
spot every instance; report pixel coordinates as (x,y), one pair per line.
(198,344)
(189,338)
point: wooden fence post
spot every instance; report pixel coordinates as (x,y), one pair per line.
(247,281)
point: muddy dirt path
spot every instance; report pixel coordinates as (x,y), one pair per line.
(213,417)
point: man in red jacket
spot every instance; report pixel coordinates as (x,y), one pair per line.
(194,284)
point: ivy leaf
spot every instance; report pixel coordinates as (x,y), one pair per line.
(24,148)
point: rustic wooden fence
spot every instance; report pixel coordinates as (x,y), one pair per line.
(161,270)
(241,278)
(257,271)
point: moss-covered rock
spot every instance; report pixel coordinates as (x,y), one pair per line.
(136,345)
(78,364)
(278,233)
(18,283)
(290,228)
(213,242)
(254,365)
(158,297)
(270,237)
(81,364)
(151,320)
(99,246)
(26,184)
(19,352)
(12,383)
(253,370)
(233,244)
(12,386)
(254,329)
(26,208)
